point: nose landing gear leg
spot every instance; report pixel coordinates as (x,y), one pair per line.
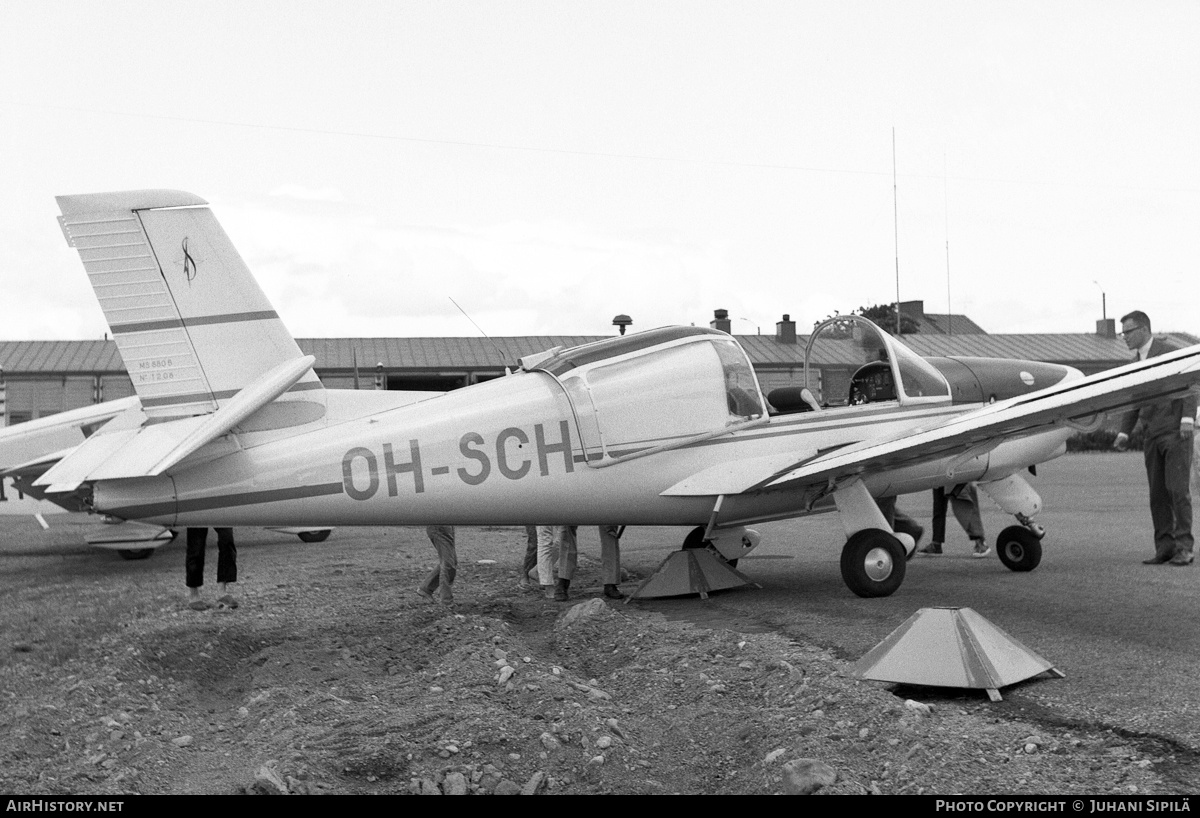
(1037,530)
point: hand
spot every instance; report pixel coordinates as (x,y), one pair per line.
(1122,442)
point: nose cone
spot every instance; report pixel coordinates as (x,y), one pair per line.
(980,380)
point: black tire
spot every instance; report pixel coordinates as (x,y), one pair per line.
(1019,548)
(135,553)
(315,536)
(873,563)
(695,539)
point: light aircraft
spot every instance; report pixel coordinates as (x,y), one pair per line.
(664,427)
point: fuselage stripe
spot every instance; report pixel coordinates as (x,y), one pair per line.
(248,498)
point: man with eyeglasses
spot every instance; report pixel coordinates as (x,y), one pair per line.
(1169,426)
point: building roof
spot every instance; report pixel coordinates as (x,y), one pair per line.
(60,357)
(1094,351)
(928,323)
(1028,347)
(1063,347)
(458,354)
(948,324)
(432,353)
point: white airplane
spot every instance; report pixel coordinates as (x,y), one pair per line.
(665,427)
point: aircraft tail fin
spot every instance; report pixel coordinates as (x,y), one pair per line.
(190,321)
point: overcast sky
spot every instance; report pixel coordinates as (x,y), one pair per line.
(551,164)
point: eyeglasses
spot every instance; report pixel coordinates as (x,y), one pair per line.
(1129,331)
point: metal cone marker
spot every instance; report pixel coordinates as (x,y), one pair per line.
(691,571)
(951,647)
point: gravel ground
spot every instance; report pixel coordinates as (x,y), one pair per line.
(332,676)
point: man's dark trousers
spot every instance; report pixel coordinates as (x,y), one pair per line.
(1168,471)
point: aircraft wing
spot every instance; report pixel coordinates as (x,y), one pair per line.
(35,438)
(1071,403)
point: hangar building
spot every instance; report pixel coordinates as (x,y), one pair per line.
(46,377)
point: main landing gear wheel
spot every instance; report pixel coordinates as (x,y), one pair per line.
(695,539)
(135,553)
(314,536)
(1019,548)
(873,563)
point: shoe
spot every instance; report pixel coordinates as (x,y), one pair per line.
(199,605)
(548,591)
(1182,559)
(613,592)
(560,590)
(228,601)
(526,584)
(1156,561)
(447,600)
(421,592)
(982,549)
(934,549)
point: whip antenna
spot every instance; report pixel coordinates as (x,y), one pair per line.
(495,346)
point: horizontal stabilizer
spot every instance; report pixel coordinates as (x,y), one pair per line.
(73,469)
(152,449)
(244,403)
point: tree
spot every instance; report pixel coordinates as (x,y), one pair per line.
(885,316)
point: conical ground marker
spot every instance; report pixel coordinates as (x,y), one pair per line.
(951,647)
(691,571)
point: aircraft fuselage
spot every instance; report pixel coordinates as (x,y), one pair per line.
(509,452)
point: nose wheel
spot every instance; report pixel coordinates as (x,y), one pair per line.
(1019,548)
(873,563)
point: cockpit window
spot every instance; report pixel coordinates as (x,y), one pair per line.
(650,397)
(919,377)
(879,367)
(741,386)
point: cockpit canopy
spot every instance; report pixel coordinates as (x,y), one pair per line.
(651,391)
(880,367)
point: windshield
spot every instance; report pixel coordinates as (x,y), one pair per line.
(850,361)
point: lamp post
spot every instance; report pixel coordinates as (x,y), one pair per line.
(1103,303)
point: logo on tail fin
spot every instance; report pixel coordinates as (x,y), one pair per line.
(189,263)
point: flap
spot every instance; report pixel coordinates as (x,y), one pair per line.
(736,476)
